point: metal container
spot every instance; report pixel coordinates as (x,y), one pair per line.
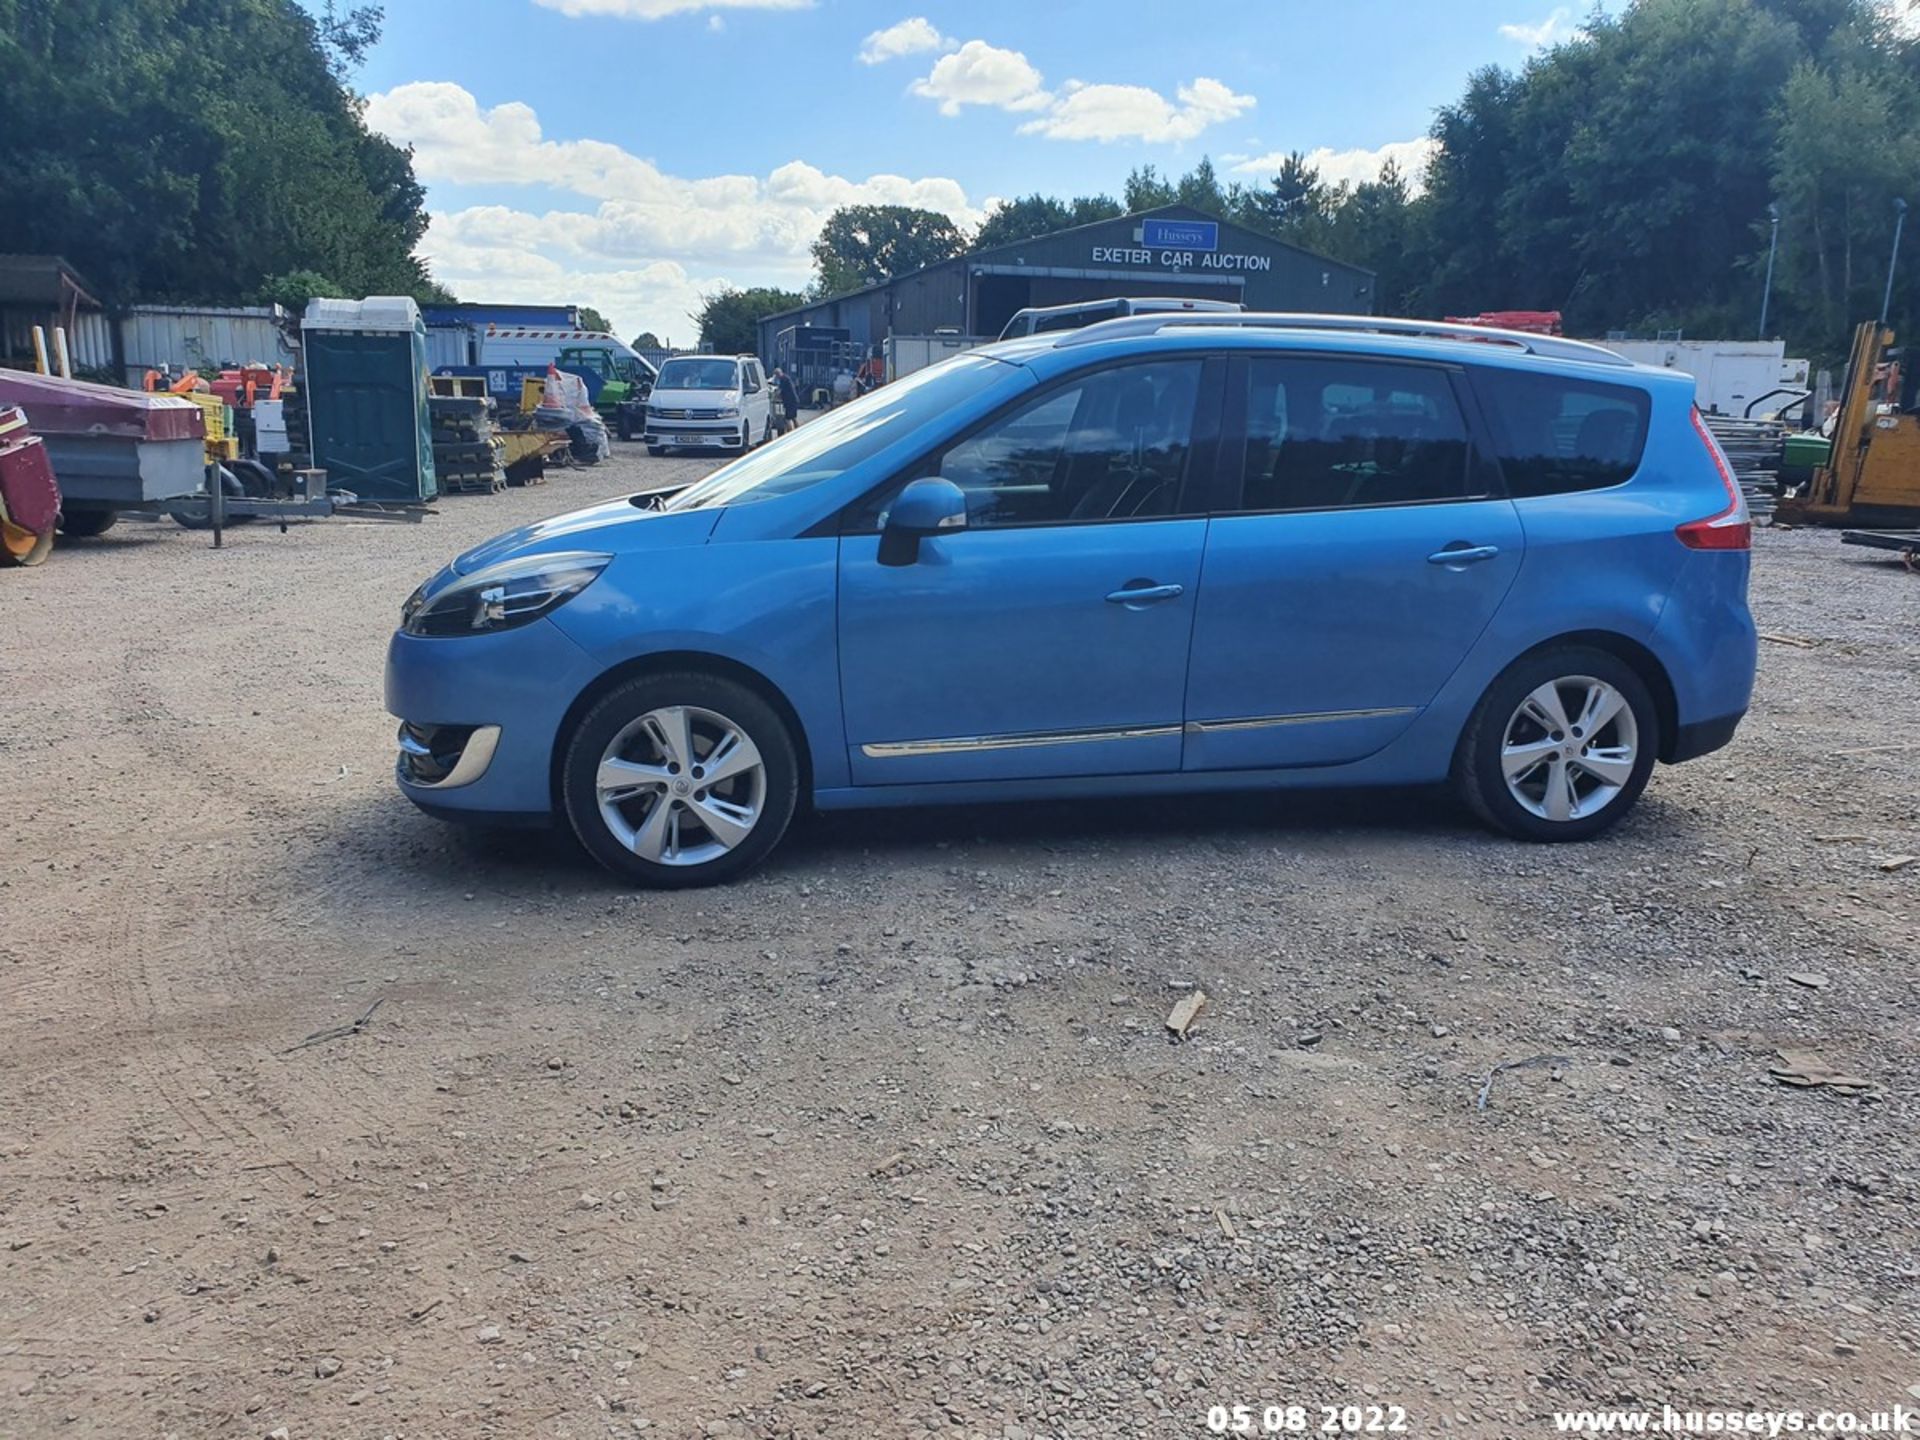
(365,385)
(202,337)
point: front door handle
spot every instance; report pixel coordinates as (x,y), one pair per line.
(1138,593)
(1462,554)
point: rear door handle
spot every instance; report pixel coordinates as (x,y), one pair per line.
(1145,594)
(1463,554)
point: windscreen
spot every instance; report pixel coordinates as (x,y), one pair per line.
(844,436)
(698,375)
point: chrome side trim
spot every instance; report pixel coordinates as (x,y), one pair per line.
(969,744)
(1263,722)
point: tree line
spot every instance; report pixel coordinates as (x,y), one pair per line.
(1628,178)
(203,150)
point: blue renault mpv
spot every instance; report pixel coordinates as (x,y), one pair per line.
(1161,554)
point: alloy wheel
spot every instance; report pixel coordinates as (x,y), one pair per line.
(681,785)
(1569,748)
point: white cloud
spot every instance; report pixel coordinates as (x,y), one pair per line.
(1356,166)
(1543,34)
(716,23)
(706,230)
(1133,112)
(982,74)
(661,9)
(913,36)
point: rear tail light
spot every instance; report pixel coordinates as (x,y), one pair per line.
(1726,529)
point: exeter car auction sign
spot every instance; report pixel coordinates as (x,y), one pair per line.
(1178,245)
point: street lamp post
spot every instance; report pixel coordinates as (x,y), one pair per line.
(1773,244)
(1899,221)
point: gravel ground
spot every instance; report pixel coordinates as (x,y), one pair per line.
(891,1137)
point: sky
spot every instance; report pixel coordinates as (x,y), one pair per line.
(635,155)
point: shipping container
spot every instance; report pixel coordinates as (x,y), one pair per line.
(202,337)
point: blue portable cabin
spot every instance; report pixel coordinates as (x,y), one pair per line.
(364,375)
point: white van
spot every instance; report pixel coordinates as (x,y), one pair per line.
(711,402)
(1038,319)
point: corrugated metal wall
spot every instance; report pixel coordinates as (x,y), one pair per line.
(186,335)
(447,345)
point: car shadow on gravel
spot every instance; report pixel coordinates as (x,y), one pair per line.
(459,856)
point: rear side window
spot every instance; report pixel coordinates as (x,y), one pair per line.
(1333,434)
(1556,436)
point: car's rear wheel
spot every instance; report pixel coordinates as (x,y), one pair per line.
(681,779)
(1560,746)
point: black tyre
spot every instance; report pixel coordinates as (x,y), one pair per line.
(656,451)
(1560,746)
(231,487)
(746,437)
(679,780)
(624,424)
(84,521)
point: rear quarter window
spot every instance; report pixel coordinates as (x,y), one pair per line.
(1555,435)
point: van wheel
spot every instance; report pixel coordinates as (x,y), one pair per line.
(1560,746)
(678,780)
(656,451)
(746,436)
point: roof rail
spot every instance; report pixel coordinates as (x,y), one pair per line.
(1551,347)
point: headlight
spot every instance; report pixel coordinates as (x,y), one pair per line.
(514,592)
(729,412)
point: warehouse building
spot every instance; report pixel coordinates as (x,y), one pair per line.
(1175,250)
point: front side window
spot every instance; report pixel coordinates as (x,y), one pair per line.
(1332,434)
(1109,446)
(1557,435)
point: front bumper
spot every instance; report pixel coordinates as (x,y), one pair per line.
(456,693)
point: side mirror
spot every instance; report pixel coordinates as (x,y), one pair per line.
(926,507)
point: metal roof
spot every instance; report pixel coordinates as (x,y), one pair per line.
(44,278)
(971,256)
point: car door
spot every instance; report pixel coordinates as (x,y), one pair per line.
(1360,549)
(753,397)
(1049,637)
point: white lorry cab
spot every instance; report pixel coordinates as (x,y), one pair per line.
(717,402)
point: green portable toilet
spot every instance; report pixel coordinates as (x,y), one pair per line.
(364,376)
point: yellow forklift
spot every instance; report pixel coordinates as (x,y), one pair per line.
(1872,475)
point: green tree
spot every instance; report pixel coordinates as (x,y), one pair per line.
(592,319)
(1376,225)
(863,245)
(192,149)
(729,319)
(1023,219)
(647,340)
(1848,148)
(1145,190)
(1200,188)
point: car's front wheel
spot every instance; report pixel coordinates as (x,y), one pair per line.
(680,779)
(1560,746)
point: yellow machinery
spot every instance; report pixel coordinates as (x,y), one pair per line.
(1873,474)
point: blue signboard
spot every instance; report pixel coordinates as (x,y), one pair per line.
(1180,234)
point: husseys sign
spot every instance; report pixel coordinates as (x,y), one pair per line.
(1178,245)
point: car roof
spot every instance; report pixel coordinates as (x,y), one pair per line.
(1348,334)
